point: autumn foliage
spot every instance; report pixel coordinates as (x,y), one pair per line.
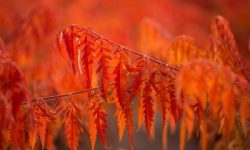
(199,88)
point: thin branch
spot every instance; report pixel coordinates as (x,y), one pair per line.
(53,97)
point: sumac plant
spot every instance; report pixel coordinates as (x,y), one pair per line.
(199,89)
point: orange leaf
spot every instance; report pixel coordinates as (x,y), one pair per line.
(120,122)
(101,123)
(40,115)
(92,129)
(225,46)
(140,113)
(72,125)
(182,135)
(184,49)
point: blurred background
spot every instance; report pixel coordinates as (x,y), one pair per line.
(29,28)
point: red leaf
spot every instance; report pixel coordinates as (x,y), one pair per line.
(86,56)
(148,104)
(103,53)
(137,72)
(120,80)
(12,80)
(66,40)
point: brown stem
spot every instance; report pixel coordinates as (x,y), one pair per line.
(52,97)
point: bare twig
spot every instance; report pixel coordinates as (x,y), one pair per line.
(154,60)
